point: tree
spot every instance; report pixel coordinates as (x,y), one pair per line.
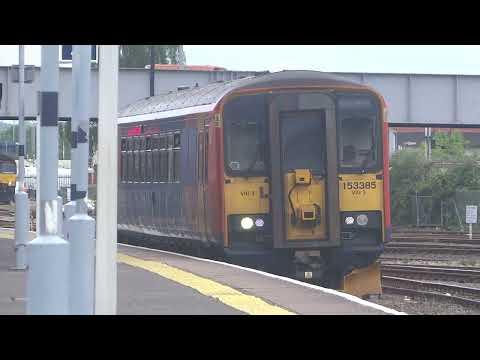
(138,56)
(449,146)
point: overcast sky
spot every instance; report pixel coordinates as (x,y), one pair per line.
(430,59)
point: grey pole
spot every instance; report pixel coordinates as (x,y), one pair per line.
(106,244)
(152,70)
(21,197)
(48,254)
(81,227)
(69,208)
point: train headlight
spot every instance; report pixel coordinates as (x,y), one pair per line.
(362,219)
(349,220)
(246,223)
(259,223)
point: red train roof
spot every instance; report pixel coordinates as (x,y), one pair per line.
(212,93)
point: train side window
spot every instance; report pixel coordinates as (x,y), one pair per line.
(123,146)
(143,167)
(156,166)
(176,140)
(136,160)
(162,142)
(164,166)
(167,167)
(176,166)
(148,166)
(200,157)
(170,141)
(155,142)
(160,166)
(124,169)
(148,143)
(131,166)
(206,157)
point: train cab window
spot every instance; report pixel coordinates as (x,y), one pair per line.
(148,143)
(358,117)
(302,135)
(123,146)
(245,136)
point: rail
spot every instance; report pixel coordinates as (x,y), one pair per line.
(462,295)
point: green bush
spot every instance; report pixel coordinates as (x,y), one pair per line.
(411,173)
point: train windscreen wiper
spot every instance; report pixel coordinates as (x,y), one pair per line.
(363,167)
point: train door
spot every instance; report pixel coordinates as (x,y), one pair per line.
(304,176)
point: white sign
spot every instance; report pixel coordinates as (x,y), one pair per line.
(471,214)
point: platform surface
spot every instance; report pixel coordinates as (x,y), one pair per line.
(162,283)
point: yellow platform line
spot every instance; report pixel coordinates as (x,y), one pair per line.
(247,303)
(7,235)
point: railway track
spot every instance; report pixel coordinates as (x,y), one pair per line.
(431,249)
(441,240)
(433,243)
(430,272)
(461,295)
(7,216)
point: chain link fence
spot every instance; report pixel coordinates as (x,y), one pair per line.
(428,211)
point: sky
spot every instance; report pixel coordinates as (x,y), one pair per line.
(420,59)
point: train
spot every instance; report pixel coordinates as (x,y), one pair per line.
(285,172)
(8,178)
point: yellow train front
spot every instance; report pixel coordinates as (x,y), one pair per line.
(286,172)
(8,177)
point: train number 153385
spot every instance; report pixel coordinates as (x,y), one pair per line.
(359,185)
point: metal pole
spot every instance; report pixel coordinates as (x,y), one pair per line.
(48,254)
(429,143)
(106,245)
(470,231)
(70,207)
(21,197)
(426,143)
(152,70)
(81,227)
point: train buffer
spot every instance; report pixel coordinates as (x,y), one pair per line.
(152,282)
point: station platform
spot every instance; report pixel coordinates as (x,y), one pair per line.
(155,282)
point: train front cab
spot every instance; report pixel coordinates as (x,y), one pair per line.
(304,184)
(8,178)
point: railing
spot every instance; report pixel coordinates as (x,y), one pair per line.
(8,147)
(63,185)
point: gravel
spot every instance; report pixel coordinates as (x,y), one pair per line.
(422,306)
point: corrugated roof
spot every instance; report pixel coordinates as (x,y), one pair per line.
(214,92)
